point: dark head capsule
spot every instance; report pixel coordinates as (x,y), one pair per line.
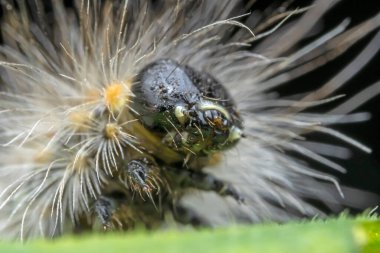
(190,110)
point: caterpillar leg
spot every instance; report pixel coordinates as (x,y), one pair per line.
(142,175)
(104,208)
(138,171)
(204,181)
(185,215)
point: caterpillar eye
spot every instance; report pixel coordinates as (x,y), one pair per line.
(189,111)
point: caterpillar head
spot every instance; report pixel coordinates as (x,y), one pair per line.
(189,110)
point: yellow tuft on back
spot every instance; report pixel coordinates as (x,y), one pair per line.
(116,96)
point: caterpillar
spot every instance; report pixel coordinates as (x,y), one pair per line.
(120,114)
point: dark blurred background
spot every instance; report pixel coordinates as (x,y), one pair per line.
(363,169)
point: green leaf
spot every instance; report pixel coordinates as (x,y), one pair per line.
(335,236)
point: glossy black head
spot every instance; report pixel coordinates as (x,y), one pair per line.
(190,110)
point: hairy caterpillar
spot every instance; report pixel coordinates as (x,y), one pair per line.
(115,114)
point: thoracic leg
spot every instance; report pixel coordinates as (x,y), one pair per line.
(187,216)
(104,208)
(141,177)
(203,181)
(142,174)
